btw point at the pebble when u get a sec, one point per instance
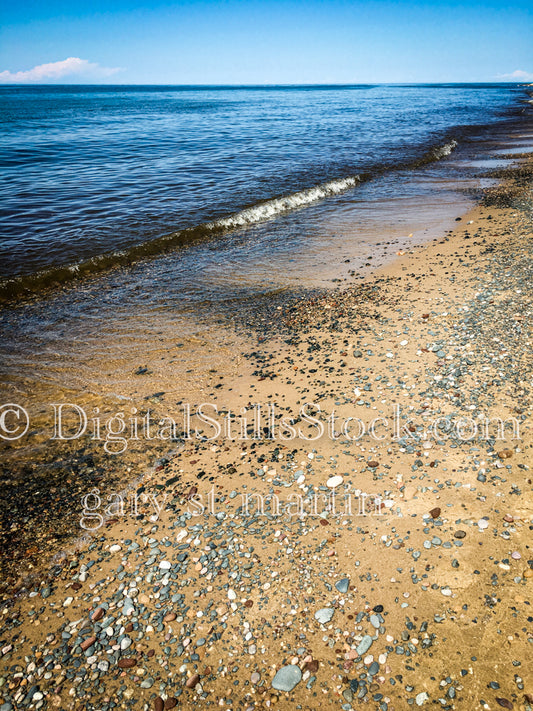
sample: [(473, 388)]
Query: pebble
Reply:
[(343, 585), (364, 645), (334, 481), (87, 643), (287, 678), (421, 698), (375, 621), (97, 614), (127, 663), (373, 669), (192, 681), (324, 615)]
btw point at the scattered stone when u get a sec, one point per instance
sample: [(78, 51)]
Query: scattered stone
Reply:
[(287, 678), (192, 681), (343, 585), (364, 645), (97, 614), (421, 698), (127, 663), (324, 615)]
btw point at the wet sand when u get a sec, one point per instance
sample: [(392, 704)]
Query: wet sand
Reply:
[(420, 594)]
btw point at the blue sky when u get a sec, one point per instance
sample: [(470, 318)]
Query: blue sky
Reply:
[(265, 42)]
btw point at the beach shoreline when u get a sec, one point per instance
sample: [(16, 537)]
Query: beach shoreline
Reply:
[(420, 593), (119, 369)]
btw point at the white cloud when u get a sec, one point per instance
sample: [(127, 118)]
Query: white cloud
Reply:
[(73, 66), (518, 74)]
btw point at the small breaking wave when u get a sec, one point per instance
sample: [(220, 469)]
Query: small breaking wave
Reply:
[(445, 150), (260, 212), (271, 208), (31, 284)]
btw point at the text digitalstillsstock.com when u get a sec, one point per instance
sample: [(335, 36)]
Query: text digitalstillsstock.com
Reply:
[(204, 422)]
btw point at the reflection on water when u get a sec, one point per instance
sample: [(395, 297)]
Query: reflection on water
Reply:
[(88, 338)]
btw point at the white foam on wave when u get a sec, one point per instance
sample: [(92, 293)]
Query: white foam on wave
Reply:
[(269, 209), (445, 150)]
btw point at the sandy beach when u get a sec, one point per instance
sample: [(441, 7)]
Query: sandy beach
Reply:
[(376, 553)]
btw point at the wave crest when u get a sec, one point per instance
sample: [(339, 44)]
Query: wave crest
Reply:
[(445, 150), (270, 208)]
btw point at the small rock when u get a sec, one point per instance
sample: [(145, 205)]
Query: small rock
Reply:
[(343, 585), (421, 698), (287, 678), (127, 663), (364, 645), (97, 614), (505, 454), (312, 666), (87, 643), (324, 615), (192, 681)]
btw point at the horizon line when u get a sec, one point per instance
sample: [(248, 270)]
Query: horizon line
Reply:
[(269, 84)]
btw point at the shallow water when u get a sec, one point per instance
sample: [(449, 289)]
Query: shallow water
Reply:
[(89, 171), (89, 336)]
